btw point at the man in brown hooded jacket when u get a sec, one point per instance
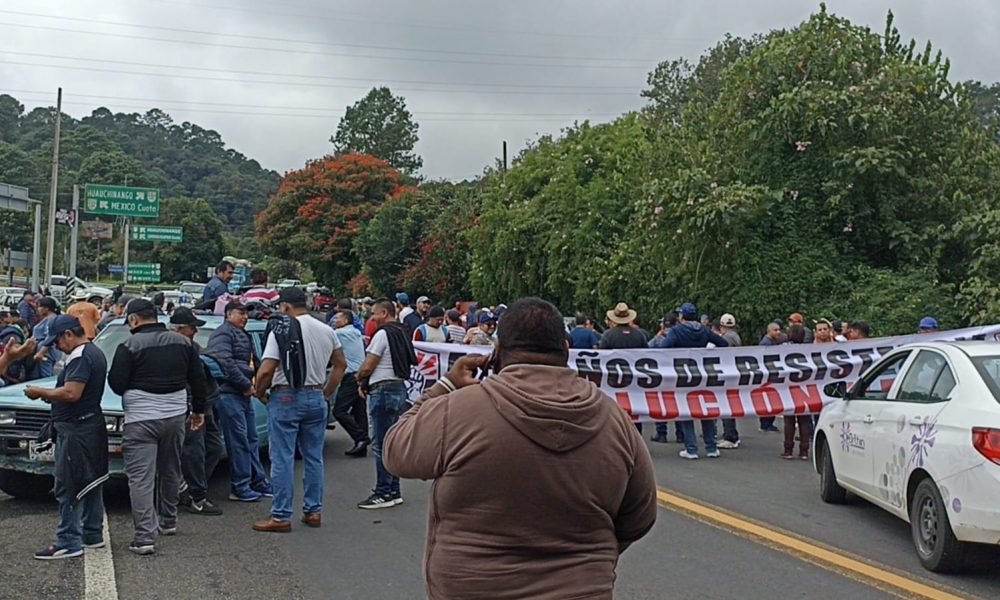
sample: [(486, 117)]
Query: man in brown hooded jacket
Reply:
[(541, 480)]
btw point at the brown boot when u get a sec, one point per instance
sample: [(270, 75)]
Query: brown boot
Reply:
[(272, 525), (312, 519)]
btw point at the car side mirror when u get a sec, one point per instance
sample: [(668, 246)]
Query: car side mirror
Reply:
[(837, 389)]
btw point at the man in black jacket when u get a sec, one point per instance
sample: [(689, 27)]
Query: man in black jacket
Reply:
[(203, 446), (247, 478), (82, 451), (152, 370)]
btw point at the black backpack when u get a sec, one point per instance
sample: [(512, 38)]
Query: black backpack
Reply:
[(288, 334)]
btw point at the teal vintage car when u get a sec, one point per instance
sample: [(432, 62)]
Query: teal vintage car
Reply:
[(26, 472)]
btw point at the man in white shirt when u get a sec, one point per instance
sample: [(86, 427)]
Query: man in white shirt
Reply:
[(383, 378), (294, 383)]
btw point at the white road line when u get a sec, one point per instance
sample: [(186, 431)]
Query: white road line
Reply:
[(99, 570)]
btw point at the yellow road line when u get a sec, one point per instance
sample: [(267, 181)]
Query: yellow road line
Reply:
[(808, 550)]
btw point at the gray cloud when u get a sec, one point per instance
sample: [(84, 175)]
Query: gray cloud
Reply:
[(455, 141)]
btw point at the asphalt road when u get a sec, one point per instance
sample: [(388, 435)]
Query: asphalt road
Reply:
[(377, 554)]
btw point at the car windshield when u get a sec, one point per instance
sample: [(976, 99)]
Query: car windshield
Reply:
[(192, 288), (989, 369), (113, 335)]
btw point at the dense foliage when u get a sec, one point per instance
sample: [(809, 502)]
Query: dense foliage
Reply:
[(379, 124)]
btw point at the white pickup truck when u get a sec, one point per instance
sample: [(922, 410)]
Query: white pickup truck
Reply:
[(95, 293)]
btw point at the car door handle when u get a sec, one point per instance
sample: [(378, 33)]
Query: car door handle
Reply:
[(869, 419), (916, 421)]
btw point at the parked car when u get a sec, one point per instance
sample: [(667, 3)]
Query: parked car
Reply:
[(26, 473), (10, 296), (194, 289), (284, 283), (95, 293), (919, 436), (323, 299)]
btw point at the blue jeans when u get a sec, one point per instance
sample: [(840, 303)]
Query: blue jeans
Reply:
[(238, 427), (296, 418), (708, 431), (385, 404), (84, 523)]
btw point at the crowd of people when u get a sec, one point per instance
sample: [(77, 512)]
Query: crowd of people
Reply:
[(495, 444)]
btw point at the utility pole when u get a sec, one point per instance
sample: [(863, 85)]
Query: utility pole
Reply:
[(53, 187), (36, 249), (503, 174), (76, 229)]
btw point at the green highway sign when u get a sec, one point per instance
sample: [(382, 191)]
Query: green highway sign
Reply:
[(121, 201), (144, 272), (157, 233)]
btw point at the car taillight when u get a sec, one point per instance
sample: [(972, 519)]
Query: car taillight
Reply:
[(987, 442)]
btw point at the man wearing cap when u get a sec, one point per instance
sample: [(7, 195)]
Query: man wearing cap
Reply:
[(152, 371), (414, 319), (230, 341), (403, 308), (27, 308), (689, 333), (482, 334), (47, 356), (928, 325), (85, 312), (623, 334), (203, 446), (294, 383), (730, 433), (81, 454), (117, 310)]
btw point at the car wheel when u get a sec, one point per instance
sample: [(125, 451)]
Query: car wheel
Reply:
[(937, 547), (829, 490), (27, 486)]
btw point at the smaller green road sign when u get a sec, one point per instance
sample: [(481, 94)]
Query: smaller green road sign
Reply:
[(144, 272), (157, 233), (121, 201)]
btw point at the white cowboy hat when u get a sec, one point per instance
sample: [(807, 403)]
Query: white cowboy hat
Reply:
[(622, 314)]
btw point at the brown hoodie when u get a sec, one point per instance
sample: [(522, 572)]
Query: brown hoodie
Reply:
[(541, 481)]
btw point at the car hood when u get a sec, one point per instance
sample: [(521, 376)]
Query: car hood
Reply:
[(101, 291), (12, 396)]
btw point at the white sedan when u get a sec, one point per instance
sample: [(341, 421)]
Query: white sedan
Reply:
[(919, 436)]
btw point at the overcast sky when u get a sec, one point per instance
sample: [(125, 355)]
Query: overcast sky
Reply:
[(274, 77)]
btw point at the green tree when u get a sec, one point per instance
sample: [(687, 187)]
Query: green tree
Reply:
[(380, 125), (203, 242)]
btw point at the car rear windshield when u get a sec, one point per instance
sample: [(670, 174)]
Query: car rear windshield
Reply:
[(989, 368)]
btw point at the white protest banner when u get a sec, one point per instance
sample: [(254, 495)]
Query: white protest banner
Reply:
[(710, 383)]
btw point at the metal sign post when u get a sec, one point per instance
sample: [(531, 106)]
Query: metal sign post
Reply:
[(125, 261)]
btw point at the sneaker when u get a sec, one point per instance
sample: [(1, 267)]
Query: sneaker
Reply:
[(142, 549), (727, 445), (771, 429), (167, 530), (54, 552), (245, 496), (264, 489), (804, 456), (688, 455), (95, 545), (184, 499), (660, 439), (397, 498), (713, 454), (376, 501), (203, 507), (787, 455)]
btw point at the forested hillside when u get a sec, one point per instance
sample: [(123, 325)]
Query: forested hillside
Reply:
[(183, 160)]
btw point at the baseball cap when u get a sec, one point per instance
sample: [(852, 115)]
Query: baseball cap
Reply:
[(727, 320), (500, 311), (59, 326), (139, 305), (486, 316), (290, 295), (423, 299), (928, 323), (687, 309), (796, 318), (402, 298), (185, 316)]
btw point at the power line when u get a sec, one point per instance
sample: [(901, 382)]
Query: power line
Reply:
[(409, 24), (323, 43), (318, 53), (308, 76), (305, 108), (301, 84)]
